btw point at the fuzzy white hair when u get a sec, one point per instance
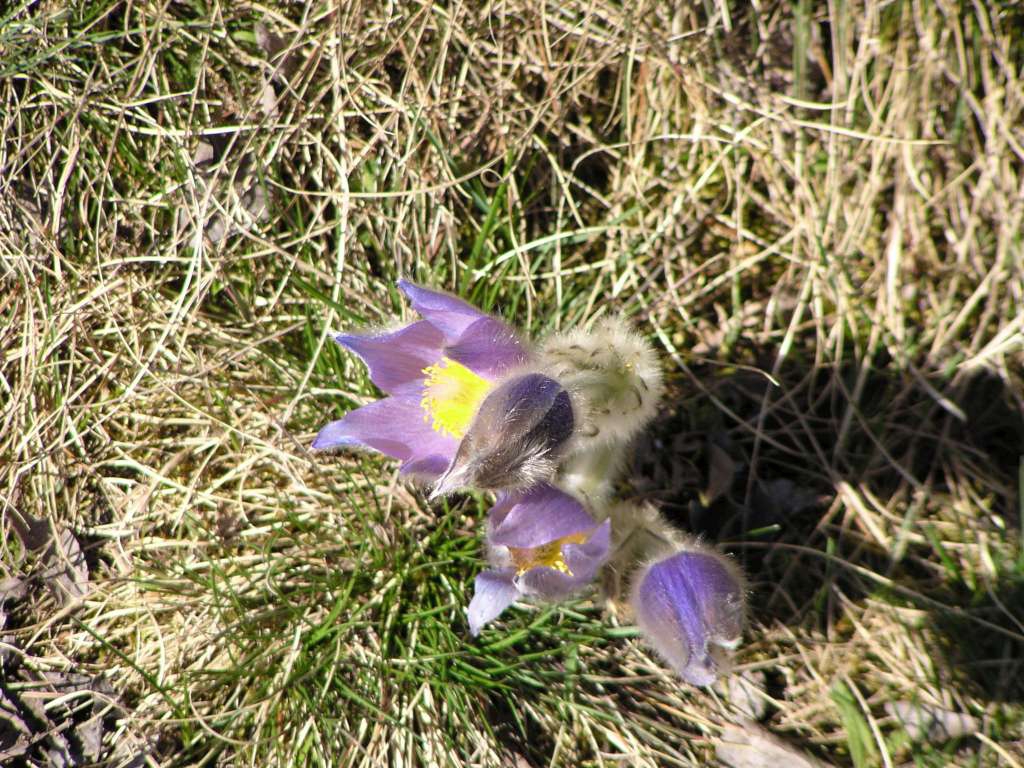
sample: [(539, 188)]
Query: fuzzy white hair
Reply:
[(612, 374)]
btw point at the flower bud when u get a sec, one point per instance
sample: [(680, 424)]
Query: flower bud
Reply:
[(614, 376), (690, 607), (516, 439)]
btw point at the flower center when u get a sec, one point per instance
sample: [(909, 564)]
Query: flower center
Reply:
[(451, 395), (547, 555)]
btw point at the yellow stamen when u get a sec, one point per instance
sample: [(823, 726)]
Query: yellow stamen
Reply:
[(547, 555), (451, 395)]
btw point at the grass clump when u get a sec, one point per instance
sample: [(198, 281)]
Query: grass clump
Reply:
[(815, 213)]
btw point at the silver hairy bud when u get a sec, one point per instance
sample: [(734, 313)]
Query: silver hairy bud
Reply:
[(517, 438)]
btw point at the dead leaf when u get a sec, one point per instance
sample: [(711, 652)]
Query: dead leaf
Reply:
[(34, 532), (280, 55), (267, 100), (8, 650), (746, 692), (204, 153), (721, 471), (235, 206), (748, 745), (63, 565), (238, 201), (65, 571), (67, 682), (44, 738), (779, 500), (254, 205), (16, 749), (14, 731), (50, 732), (90, 736), (12, 588), (924, 722), (271, 42), (58, 754)]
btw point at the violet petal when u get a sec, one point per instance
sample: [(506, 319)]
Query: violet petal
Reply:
[(395, 427), (448, 314), (399, 357), (536, 516), (488, 347), (493, 593), (585, 559), (426, 467)]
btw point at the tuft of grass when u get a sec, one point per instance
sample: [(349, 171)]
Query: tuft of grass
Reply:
[(813, 212)]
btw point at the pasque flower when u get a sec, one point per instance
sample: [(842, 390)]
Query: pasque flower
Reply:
[(464, 407), (543, 545), (471, 405), (690, 607)]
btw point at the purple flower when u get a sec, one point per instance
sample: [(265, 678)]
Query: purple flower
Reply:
[(464, 408), (544, 545), (690, 607), (437, 372)]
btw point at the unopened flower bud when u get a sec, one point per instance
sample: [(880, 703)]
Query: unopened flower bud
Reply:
[(516, 439), (690, 607), (614, 376)]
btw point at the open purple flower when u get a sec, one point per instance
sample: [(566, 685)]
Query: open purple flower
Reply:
[(464, 408), (544, 545), (690, 607), (437, 371)]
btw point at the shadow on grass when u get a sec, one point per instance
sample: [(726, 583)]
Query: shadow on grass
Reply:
[(912, 498)]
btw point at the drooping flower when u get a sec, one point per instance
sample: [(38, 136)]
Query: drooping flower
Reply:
[(543, 544), (690, 607), (463, 405)]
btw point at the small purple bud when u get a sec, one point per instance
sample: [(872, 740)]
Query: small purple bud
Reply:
[(516, 439), (690, 607)]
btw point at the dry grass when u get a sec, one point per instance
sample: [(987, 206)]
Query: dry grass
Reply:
[(816, 214)]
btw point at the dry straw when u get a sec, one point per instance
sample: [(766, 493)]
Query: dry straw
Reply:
[(814, 211)]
